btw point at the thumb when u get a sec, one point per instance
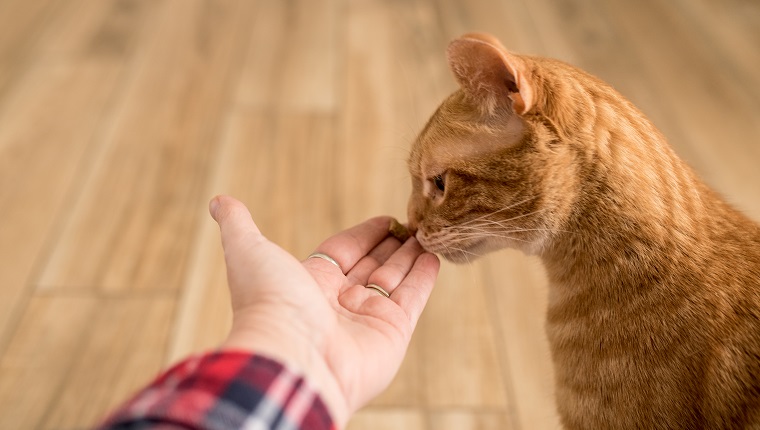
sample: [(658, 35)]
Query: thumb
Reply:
[(234, 219)]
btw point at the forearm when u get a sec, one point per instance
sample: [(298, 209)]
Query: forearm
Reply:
[(293, 346), (225, 390)]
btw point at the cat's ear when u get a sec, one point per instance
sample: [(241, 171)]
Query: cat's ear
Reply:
[(488, 72)]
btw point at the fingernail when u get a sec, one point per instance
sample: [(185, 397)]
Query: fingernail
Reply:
[(213, 206)]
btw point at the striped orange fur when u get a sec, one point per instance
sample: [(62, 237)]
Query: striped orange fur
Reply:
[(654, 307)]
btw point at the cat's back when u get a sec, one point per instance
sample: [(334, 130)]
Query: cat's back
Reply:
[(732, 378)]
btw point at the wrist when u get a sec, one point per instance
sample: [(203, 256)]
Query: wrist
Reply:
[(296, 352)]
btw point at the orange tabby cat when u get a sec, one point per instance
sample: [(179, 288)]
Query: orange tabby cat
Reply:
[(654, 308)]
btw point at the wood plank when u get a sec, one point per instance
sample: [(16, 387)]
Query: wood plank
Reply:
[(204, 315), (733, 90), (743, 14), (119, 119), (594, 44), (460, 364), (509, 20), (7, 74), (385, 103), (387, 418), (471, 420), (368, 122), (248, 146), (517, 297), (729, 31), (20, 25), (21, 22), (421, 78), (96, 30), (42, 350), (293, 56), (129, 228), (123, 351), (407, 388), (705, 102), (44, 139), (260, 155)]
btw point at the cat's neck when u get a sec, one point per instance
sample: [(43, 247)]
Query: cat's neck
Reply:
[(634, 195), (629, 227)]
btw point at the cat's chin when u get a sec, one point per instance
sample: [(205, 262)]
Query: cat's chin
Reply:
[(459, 257), (479, 249)]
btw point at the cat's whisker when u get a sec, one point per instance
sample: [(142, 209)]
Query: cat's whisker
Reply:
[(484, 229), (512, 206), (497, 227), (481, 229), (481, 236), (492, 231), (447, 244), (501, 223), (465, 254), (487, 225), (463, 237)]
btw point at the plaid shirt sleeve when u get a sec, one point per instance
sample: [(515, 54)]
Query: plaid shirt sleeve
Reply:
[(221, 391)]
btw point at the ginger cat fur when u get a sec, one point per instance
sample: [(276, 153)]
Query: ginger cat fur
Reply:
[(654, 306)]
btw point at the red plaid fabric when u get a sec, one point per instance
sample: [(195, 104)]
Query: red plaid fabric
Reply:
[(221, 391)]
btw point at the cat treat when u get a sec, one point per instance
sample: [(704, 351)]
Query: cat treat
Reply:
[(399, 231)]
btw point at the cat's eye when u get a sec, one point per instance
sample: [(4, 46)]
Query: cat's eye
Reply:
[(439, 183)]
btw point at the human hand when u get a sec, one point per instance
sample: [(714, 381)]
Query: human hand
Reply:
[(347, 339)]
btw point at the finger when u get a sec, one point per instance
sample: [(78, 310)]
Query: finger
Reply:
[(361, 271), (353, 297), (394, 270), (235, 224), (349, 246), (415, 289), (234, 219)]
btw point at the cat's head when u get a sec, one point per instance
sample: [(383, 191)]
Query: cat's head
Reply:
[(496, 165)]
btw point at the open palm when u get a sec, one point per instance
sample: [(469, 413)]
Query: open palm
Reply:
[(319, 316)]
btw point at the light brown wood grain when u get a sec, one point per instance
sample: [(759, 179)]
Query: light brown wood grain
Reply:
[(385, 418), (368, 123), (53, 115), (292, 58), (470, 420), (259, 154), (459, 358), (124, 351), (516, 293), (408, 388), (157, 157), (672, 56), (20, 24), (34, 367), (119, 120), (103, 30)]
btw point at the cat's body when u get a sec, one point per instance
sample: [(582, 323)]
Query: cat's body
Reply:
[(654, 307)]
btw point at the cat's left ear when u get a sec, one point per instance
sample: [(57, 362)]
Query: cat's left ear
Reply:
[(488, 72)]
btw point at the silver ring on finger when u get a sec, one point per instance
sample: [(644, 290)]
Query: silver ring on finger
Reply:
[(379, 289), (326, 258)]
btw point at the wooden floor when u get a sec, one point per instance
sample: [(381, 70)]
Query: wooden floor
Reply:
[(120, 119)]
